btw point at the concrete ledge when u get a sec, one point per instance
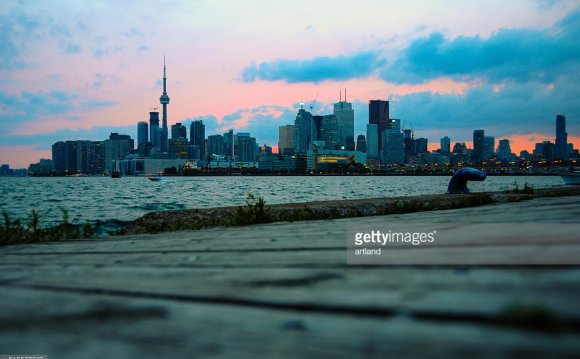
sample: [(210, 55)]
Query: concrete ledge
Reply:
[(254, 213)]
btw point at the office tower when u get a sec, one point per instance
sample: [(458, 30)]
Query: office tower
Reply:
[(393, 148), (409, 144), (460, 148), (303, 131), (229, 147), (317, 123), (180, 147), (215, 145), (246, 148), (164, 100), (178, 131), (488, 147), (142, 133), (345, 120), (478, 138), (197, 136), (329, 132), (154, 129), (445, 145), (561, 138), (60, 161), (379, 115), (116, 148), (91, 157), (286, 140), (361, 143), (504, 152), (421, 145), (372, 141)]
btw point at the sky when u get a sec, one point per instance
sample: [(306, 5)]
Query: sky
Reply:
[(79, 70)]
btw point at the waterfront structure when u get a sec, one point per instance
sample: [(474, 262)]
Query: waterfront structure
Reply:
[(379, 115), (562, 152), (64, 157), (478, 138), (149, 165), (142, 133), (178, 131), (215, 145), (286, 140), (488, 147), (361, 143), (164, 100), (328, 159), (303, 130), (445, 145), (75, 157), (345, 120), (154, 132)]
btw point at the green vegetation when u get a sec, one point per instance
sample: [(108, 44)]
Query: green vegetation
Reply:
[(528, 188), (30, 230), (253, 212)]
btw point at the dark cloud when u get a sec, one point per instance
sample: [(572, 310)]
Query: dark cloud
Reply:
[(318, 69), (509, 54)]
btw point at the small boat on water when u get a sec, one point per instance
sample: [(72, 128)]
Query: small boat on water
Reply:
[(155, 178), (571, 177)]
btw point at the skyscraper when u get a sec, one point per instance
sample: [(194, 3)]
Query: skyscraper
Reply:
[(303, 131), (329, 132), (164, 100), (488, 147), (178, 131), (229, 147), (478, 138), (361, 143), (286, 140), (445, 145), (504, 151), (379, 115), (345, 119), (393, 148), (215, 145), (372, 141), (197, 136), (142, 132), (561, 138), (154, 129)]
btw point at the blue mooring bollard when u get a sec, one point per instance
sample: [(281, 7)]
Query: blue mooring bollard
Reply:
[(458, 183)]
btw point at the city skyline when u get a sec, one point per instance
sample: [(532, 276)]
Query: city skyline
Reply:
[(92, 80)]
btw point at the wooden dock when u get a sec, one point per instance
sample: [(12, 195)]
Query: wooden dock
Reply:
[(285, 290)]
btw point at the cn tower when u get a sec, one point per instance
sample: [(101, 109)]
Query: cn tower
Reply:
[(164, 100)]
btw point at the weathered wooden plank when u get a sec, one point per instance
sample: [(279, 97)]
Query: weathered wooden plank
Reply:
[(92, 326)]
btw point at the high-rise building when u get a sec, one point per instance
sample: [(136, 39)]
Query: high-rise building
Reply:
[(345, 120), (561, 138), (64, 157), (393, 148), (372, 141), (329, 132), (154, 132), (164, 100), (409, 144), (229, 147), (478, 138), (72, 157), (197, 136), (304, 131), (180, 146), (421, 145), (246, 148), (488, 147), (178, 131), (116, 148), (379, 115), (361, 143), (215, 145), (142, 132), (286, 140), (445, 145), (504, 152)]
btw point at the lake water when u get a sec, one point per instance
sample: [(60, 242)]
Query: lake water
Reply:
[(104, 200)]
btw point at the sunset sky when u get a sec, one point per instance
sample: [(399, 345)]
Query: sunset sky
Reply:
[(80, 70)]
